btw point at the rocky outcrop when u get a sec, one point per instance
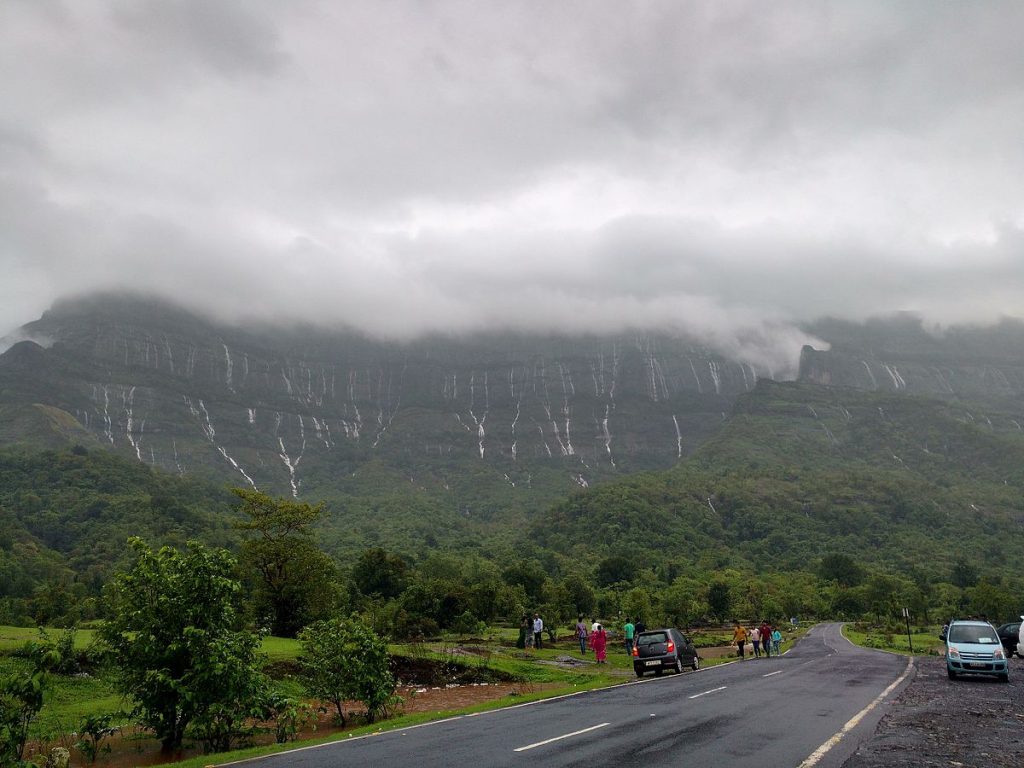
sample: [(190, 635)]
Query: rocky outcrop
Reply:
[(290, 410)]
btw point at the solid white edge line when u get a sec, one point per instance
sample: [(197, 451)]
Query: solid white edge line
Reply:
[(821, 751), (559, 738), (713, 690)]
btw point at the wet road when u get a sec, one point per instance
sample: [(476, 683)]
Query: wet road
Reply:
[(784, 711)]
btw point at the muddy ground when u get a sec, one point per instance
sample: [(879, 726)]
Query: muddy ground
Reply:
[(936, 721)]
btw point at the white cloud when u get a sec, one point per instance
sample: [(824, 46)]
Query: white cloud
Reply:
[(727, 168)]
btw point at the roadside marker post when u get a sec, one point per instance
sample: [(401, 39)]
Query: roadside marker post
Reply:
[(910, 642)]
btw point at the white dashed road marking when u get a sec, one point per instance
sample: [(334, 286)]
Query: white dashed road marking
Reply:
[(559, 738), (713, 690)]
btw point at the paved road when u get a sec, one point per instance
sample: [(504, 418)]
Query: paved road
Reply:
[(776, 712)]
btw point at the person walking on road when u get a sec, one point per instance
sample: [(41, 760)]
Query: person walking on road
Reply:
[(627, 633), (776, 640), (538, 629), (581, 635), (599, 642), (766, 638), (739, 636), (755, 640)]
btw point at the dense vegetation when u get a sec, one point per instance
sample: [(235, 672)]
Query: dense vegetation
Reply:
[(809, 501)]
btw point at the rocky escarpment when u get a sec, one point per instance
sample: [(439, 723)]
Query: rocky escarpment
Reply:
[(298, 411), (900, 355)]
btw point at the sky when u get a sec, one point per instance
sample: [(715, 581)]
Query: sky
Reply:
[(727, 170)]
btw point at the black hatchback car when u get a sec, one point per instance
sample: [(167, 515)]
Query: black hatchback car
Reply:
[(660, 649), (1009, 634)]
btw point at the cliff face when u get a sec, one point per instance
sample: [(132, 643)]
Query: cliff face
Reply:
[(900, 356), (298, 411)]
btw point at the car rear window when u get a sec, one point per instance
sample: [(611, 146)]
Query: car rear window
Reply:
[(965, 633), (651, 639)]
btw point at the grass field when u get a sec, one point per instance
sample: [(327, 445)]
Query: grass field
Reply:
[(925, 640)]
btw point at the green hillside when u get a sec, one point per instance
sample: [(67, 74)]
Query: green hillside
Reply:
[(901, 483)]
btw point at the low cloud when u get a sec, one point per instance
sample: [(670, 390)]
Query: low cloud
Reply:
[(729, 172)]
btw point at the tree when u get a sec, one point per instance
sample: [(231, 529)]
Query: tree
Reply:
[(613, 570), (378, 573), (530, 575), (719, 600), (344, 660), (842, 569), (294, 582), (171, 636)]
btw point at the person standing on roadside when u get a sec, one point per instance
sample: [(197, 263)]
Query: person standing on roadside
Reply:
[(581, 635), (776, 640), (538, 629), (755, 640), (627, 633), (766, 638), (739, 636), (599, 642)]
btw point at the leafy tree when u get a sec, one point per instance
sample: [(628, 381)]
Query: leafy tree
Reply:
[(719, 600), (295, 583), (842, 569), (682, 603), (580, 594), (614, 569), (171, 636), (345, 660), (992, 601), (882, 595), (378, 573), (529, 574)]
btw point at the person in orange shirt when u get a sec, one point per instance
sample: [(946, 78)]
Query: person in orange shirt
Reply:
[(739, 636)]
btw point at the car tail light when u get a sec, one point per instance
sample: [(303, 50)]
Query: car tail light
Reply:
[(670, 647), (636, 650)]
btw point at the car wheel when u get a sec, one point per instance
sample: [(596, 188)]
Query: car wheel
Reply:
[(696, 663), (639, 672), (951, 673), (679, 665)]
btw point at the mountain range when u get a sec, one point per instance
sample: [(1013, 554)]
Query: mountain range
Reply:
[(444, 441)]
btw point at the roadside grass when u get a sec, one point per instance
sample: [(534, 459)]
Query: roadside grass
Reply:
[(394, 724), (925, 639), (71, 698)]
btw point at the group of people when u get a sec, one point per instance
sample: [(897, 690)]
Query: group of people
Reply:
[(763, 638), (597, 637), (531, 632)]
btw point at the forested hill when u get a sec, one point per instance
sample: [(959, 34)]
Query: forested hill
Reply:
[(66, 516), (899, 482)]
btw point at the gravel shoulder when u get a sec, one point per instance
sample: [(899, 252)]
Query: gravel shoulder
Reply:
[(937, 721)]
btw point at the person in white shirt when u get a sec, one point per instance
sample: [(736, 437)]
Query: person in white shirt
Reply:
[(538, 628)]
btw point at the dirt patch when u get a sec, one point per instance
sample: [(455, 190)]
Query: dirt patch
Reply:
[(937, 721)]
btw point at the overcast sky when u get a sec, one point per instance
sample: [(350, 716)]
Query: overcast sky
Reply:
[(726, 168)]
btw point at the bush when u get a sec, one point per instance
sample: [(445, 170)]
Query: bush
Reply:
[(173, 642), (344, 660)]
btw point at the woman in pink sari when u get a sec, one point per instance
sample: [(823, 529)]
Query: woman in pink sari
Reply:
[(599, 642)]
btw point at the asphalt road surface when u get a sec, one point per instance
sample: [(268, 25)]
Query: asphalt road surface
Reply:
[(811, 706)]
